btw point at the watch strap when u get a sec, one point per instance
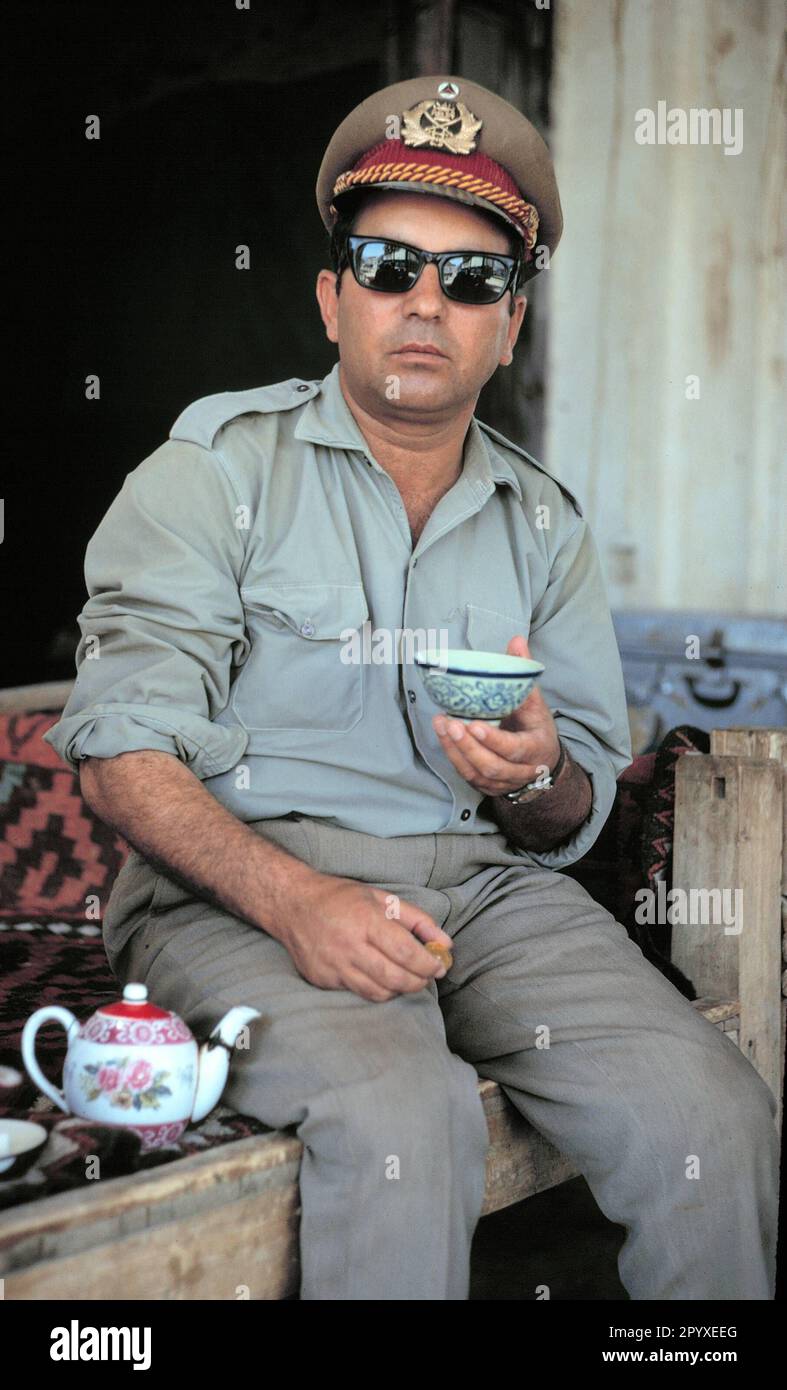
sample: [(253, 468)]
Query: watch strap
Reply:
[(532, 789)]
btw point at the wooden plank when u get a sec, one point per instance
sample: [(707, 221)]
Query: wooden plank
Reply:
[(728, 837), (70, 1222), (758, 743), (520, 1161), (207, 1226), (705, 855), (759, 986), (750, 743), (246, 1249), (765, 743), (725, 1012)]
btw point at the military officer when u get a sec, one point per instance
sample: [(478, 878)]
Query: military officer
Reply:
[(303, 823)]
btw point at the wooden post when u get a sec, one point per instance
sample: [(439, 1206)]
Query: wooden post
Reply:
[(765, 743), (728, 850), (758, 743)]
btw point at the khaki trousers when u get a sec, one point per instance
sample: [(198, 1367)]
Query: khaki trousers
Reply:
[(670, 1124)]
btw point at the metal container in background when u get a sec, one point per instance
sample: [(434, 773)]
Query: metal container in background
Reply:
[(706, 669)]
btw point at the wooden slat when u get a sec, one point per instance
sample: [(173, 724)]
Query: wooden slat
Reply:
[(728, 835), (520, 1161), (765, 743), (210, 1225), (758, 743), (73, 1221), (724, 1012), (705, 855), (245, 1249)]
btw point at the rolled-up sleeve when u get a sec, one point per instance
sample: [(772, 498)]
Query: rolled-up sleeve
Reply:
[(572, 633), (163, 625)]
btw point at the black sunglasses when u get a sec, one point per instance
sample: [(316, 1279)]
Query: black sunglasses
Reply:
[(393, 267)]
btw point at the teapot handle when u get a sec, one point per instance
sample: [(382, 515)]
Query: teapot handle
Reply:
[(29, 1031)]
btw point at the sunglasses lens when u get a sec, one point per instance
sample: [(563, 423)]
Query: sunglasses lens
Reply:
[(385, 265), (472, 277), (475, 279)]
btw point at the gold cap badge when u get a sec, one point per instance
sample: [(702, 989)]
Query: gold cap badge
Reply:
[(440, 124)]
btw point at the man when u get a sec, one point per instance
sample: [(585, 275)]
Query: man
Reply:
[(303, 824)]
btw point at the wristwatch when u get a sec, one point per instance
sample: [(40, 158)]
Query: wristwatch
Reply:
[(531, 790)]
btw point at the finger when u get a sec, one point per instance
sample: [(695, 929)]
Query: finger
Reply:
[(405, 952), (513, 745), (360, 983), (495, 785), (456, 756), (420, 923), (519, 646), (417, 927), (387, 972), (479, 761), (534, 705)]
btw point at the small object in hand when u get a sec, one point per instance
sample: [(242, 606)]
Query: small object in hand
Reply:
[(442, 953)]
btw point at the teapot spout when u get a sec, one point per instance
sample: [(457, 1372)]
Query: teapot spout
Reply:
[(232, 1023), (214, 1059)]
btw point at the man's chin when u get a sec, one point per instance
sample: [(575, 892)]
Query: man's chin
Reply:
[(413, 386), (416, 399)]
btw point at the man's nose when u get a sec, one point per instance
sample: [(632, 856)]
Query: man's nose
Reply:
[(426, 297)]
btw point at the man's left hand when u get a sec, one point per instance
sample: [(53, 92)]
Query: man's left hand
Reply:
[(496, 760)]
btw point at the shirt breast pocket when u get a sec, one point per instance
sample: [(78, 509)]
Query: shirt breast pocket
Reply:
[(299, 675), (490, 631)]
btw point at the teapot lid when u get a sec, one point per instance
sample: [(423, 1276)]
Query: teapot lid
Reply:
[(135, 1004)]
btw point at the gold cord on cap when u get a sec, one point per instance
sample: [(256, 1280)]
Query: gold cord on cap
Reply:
[(524, 213)]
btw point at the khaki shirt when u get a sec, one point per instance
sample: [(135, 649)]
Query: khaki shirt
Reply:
[(224, 579)]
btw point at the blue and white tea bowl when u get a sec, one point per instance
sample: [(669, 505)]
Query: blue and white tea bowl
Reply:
[(477, 685)]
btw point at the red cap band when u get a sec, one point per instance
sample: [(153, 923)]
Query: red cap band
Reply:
[(394, 162)]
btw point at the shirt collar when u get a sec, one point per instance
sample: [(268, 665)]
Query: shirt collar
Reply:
[(327, 419)]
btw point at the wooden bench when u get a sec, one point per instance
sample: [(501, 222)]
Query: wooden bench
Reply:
[(224, 1224)]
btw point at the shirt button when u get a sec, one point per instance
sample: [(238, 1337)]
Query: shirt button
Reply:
[(464, 815), (302, 387), (307, 628), (411, 696)]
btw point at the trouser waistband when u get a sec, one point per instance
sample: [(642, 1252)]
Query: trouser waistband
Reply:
[(437, 860)]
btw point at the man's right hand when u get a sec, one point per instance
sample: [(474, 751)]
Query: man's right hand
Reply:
[(344, 934)]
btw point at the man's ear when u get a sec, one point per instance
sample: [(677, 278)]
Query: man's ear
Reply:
[(328, 300), (516, 299), (516, 311)]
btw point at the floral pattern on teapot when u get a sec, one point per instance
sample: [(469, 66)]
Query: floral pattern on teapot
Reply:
[(127, 1082)]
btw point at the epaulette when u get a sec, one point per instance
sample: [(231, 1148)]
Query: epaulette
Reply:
[(201, 421), (507, 443)]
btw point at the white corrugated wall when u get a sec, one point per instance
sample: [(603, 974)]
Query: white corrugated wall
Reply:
[(671, 267)]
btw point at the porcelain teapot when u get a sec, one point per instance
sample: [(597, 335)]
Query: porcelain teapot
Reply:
[(136, 1065)]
